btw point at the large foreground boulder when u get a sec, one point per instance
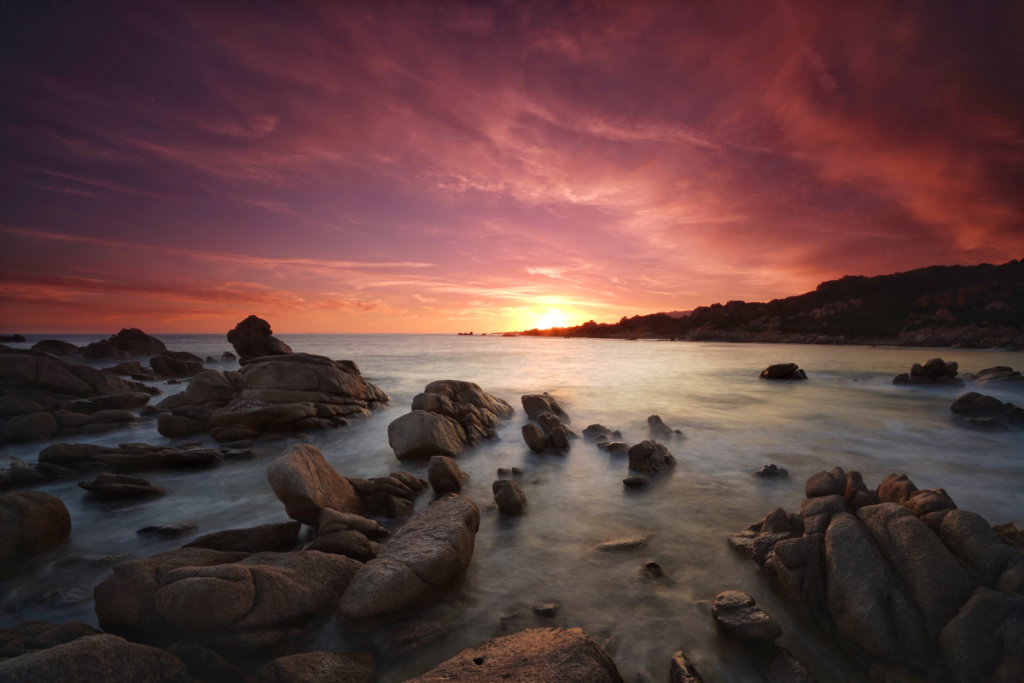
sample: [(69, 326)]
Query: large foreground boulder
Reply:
[(31, 523), (95, 659), (318, 667), (253, 337), (533, 656), (420, 435), (423, 562), (306, 483), (986, 638)]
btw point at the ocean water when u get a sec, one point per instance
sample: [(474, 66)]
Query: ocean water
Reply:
[(847, 414)]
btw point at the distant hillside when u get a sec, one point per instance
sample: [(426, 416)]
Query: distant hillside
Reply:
[(970, 306)]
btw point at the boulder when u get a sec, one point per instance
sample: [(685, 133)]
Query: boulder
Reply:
[(33, 427), (97, 658), (332, 521), (985, 641), (618, 448), (44, 379), (132, 367), (253, 337), (636, 481), (896, 489), (772, 471), (558, 438), (785, 371), (778, 665), (318, 667), (929, 500), (31, 523), (938, 584), (534, 437), (204, 664), (532, 656), (32, 636), (227, 356), (935, 371), (137, 343), (57, 347), (650, 456), (509, 497), (130, 456), (871, 610), (970, 538), (597, 432), (391, 496), (796, 565), (445, 476), (660, 429), (681, 670), (535, 404), (424, 561), (104, 350), (257, 539), (303, 480), (120, 487), (349, 543), (831, 483), (759, 538), (476, 411), (169, 366), (738, 614), (817, 513), (973, 404), (420, 435)]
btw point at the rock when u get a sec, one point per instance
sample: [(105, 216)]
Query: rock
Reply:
[(291, 586), (31, 523), (970, 538), (422, 562), (34, 427), (1010, 535), (659, 428), (445, 476), (932, 577), (206, 665), (227, 356), (120, 487), (929, 500), (935, 371), (510, 498), (870, 608), (137, 343), (796, 565), (649, 456), (477, 412), (168, 530), (636, 481), (419, 435), (57, 347), (516, 472), (318, 667), (531, 656), (548, 609), (831, 483), (535, 404), (558, 438), (263, 538), (44, 379), (349, 543), (534, 438), (391, 496), (973, 404), (778, 665), (303, 480), (104, 350), (681, 670), (104, 658), (332, 521), (896, 489), (619, 544), (739, 615), (772, 471), (253, 338), (597, 432), (32, 636), (168, 366), (132, 367), (783, 371), (132, 456), (817, 513), (9, 338), (759, 538), (618, 448), (210, 359), (984, 641)]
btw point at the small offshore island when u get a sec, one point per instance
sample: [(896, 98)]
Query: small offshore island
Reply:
[(910, 586)]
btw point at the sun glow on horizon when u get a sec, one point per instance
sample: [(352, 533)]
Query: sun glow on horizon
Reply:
[(552, 318)]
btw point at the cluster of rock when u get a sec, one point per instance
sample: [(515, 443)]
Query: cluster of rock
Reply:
[(988, 411), (550, 424), (996, 375), (279, 393), (783, 371), (11, 338), (935, 371), (902, 577), (44, 396), (446, 419)]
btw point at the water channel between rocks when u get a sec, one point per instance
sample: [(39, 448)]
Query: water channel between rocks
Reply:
[(848, 414)]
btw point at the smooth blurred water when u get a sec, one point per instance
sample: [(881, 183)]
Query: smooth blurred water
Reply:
[(847, 414)]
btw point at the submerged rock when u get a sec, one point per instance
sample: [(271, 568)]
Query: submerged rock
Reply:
[(636, 481), (531, 656), (31, 523), (421, 563), (510, 498), (650, 456), (784, 371), (120, 487), (772, 471)]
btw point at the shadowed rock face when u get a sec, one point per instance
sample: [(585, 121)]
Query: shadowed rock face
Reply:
[(305, 482), (96, 658), (537, 655), (31, 523), (316, 667), (423, 562), (253, 337)]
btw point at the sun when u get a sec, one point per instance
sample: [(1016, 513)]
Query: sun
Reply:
[(552, 318)]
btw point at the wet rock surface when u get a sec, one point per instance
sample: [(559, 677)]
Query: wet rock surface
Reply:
[(109, 486), (445, 476), (783, 371), (318, 667), (650, 456), (935, 372), (96, 658), (509, 497), (253, 338), (738, 614), (31, 523)]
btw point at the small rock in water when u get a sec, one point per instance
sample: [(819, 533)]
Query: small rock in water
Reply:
[(618, 448), (534, 437), (516, 472), (548, 609), (682, 670), (636, 481), (120, 486), (784, 371), (660, 429), (652, 570), (510, 498), (616, 434), (167, 530), (772, 471), (633, 543), (66, 596), (504, 471), (173, 381), (738, 614)]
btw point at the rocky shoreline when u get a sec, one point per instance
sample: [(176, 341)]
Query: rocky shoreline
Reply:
[(912, 587)]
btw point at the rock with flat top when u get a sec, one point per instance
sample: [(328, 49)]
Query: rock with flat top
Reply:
[(420, 435), (92, 659), (111, 486), (784, 371), (257, 539), (650, 456), (318, 667), (738, 614)]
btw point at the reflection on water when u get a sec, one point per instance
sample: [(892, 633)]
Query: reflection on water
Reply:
[(848, 414)]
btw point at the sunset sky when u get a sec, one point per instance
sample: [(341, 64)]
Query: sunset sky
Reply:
[(442, 167)]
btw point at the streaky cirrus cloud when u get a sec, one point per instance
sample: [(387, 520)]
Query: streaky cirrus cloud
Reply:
[(492, 166)]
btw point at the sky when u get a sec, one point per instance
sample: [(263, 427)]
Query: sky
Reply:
[(443, 167)]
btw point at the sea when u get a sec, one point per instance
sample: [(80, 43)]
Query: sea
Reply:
[(848, 413)]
